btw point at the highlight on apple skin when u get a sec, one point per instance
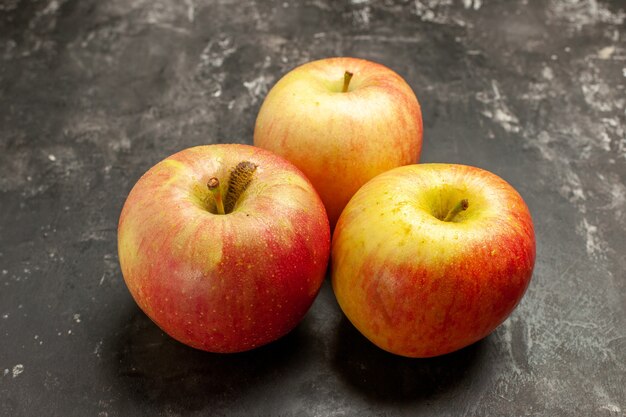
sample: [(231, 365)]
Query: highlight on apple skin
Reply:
[(427, 259), (342, 121), (224, 282)]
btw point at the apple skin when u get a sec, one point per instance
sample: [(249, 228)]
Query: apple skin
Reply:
[(341, 140), (223, 283), (419, 286)]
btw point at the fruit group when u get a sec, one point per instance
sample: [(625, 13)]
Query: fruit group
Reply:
[(420, 276), (341, 139), (224, 282)]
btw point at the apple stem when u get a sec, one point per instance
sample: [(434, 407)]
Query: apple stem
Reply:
[(461, 206), (347, 76), (214, 187)]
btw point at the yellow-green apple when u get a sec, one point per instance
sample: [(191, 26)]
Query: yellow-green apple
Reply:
[(342, 121), (224, 246), (427, 259)]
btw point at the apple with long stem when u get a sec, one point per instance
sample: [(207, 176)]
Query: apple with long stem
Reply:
[(342, 118), (224, 246), (427, 259)]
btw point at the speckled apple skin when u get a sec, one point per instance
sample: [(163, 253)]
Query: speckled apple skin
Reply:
[(341, 140), (418, 286), (223, 283)]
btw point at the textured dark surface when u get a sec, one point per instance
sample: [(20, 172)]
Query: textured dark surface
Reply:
[(93, 93)]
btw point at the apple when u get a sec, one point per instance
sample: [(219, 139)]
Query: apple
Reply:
[(224, 282), (427, 259), (342, 121)]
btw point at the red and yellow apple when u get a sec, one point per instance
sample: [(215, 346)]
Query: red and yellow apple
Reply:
[(342, 121), (427, 259), (224, 282)]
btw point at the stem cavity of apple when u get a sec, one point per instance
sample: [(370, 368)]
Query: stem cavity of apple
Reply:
[(461, 206), (239, 180), (347, 76)]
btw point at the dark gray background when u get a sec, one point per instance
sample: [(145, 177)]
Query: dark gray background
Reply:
[(93, 93)]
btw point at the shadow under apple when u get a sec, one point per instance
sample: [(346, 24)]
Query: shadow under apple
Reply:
[(154, 369), (384, 377)]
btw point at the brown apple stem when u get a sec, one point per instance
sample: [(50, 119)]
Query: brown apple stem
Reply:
[(347, 76), (214, 187), (461, 206)]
